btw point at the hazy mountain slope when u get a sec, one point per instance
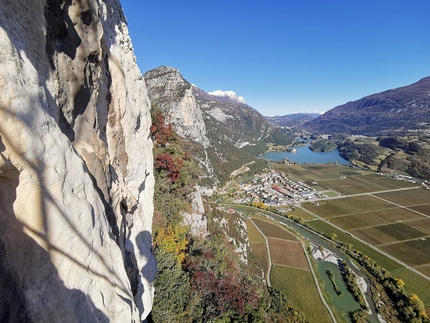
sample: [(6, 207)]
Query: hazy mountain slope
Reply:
[(234, 114), (401, 109), (292, 120)]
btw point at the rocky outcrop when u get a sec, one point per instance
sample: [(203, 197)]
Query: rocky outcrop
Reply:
[(76, 180), (173, 94), (196, 220)]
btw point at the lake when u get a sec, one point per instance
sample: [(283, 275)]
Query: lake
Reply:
[(304, 155)]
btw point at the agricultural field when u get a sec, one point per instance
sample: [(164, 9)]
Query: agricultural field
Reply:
[(413, 252), (259, 250), (423, 208), (384, 218), (410, 197), (414, 283), (359, 184), (347, 205), (373, 236), (421, 225), (316, 172), (258, 246), (400, 231), (375, 218), (425, 269), (254, 234), (395, 222), (301, 292), (324, 209), (290, 272), (300, 213), (273, 230), (287, 253)]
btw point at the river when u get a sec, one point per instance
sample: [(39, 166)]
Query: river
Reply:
[(304, 155)]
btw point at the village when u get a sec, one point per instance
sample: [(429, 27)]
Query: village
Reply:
[(274, 189)]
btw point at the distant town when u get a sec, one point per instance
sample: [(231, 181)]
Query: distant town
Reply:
[(275, 189)]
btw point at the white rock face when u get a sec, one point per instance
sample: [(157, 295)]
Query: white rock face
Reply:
[(197, 220), (171, 92), (76, 179), (218, 114)]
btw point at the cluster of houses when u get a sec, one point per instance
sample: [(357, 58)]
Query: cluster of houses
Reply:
[(274, 189)]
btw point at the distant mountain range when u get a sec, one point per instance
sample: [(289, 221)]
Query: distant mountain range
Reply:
[(394, 111), (292, 120)]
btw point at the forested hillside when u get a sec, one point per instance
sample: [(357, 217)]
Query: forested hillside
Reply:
[(206, 277)]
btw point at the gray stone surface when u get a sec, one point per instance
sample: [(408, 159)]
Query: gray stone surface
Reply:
[(76, 179)]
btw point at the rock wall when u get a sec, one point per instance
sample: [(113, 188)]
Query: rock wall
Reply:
[(170, 92), (76, 180)]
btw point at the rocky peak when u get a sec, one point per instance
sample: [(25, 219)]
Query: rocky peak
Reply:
[(169, 91)]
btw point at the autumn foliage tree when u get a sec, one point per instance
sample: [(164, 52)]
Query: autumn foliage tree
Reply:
[(174, 170), (172, 239), (170, 166), (161, 132)]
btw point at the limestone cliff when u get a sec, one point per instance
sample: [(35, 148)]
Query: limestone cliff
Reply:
[(76, 179), (225, 132), (173, 94)]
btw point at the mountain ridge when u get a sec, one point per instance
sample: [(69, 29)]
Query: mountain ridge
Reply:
[(402, 109), (292, 119)]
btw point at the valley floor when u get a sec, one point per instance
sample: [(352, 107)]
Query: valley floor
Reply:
[(387, 219)]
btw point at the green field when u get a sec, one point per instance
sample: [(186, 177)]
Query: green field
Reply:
[(299, 287), (414, 283), (331, 194), (300, 213)]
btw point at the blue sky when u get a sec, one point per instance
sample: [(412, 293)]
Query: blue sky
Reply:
[(285, 56)]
